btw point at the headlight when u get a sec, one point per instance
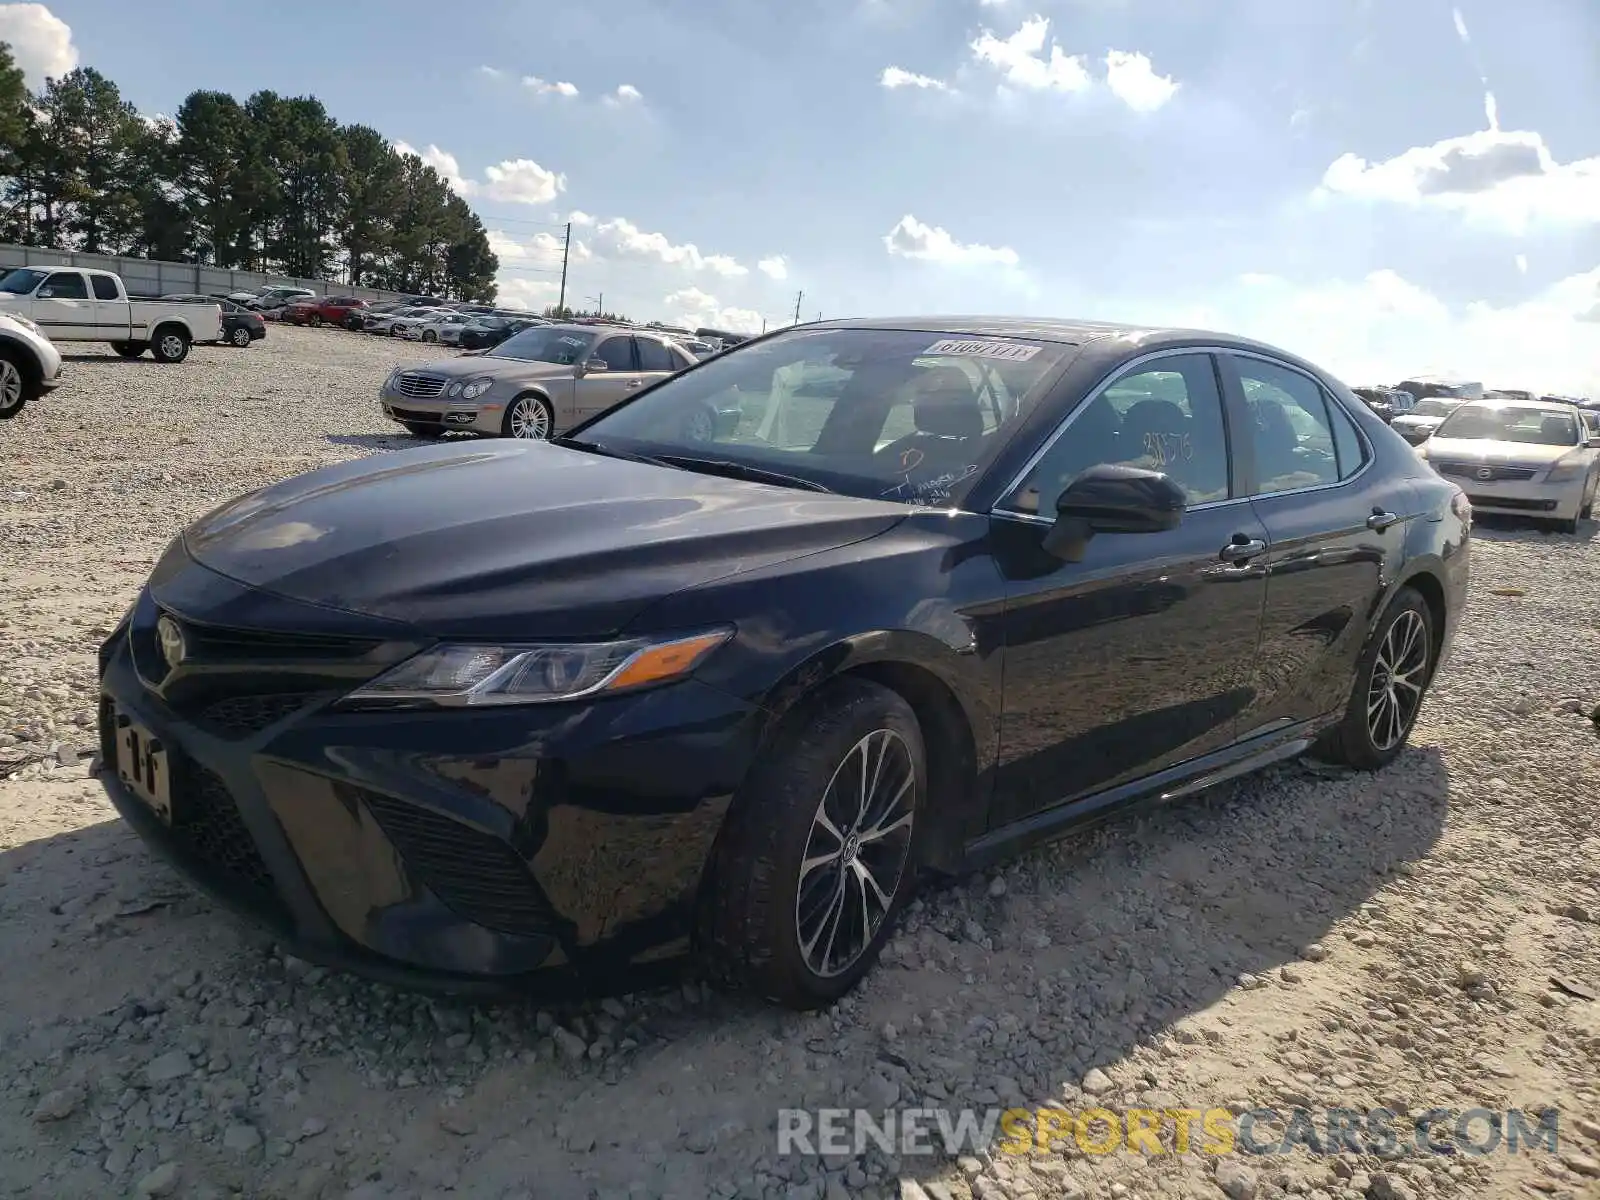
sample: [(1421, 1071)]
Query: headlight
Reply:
[(26, 323), (1566, 471), (472, 675), (476, 387), (455, 389)]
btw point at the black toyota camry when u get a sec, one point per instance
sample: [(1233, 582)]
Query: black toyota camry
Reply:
[(729, 667)]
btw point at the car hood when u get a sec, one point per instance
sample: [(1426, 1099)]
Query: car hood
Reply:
[(1473, 450), (1413, 419), (514, 539), (500, 368)]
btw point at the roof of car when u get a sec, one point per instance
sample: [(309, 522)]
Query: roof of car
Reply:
[(1551, 406)]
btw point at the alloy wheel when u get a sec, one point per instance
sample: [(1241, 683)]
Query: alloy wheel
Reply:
[(530, 419), (241, 337), (1398, 677), (172, 346), (10, 386), (859, 845)]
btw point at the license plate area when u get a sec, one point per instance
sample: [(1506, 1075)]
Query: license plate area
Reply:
[(143, 765)]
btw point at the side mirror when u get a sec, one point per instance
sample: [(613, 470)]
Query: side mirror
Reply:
[(1594, 442), (44, 293), (1113, 499), (596, 364)]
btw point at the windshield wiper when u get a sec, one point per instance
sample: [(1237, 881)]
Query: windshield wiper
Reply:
[(736, 470), (608, 451)]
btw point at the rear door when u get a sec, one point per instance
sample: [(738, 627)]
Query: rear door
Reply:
[(63, 308), (598, 390), (656, 360), (1336, 531)]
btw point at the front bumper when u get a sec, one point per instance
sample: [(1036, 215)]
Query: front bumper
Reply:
[(483, 415), (539, 850), (1523, 498)]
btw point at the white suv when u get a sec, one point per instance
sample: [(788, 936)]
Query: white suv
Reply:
[(30, 365)]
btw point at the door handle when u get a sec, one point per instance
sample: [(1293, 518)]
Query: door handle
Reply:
[(1381, 520), (1242, 549), (633, 383)]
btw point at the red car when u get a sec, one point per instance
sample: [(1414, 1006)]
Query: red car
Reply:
[(324, 310)]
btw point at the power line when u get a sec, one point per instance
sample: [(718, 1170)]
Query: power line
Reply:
[(490, 218)]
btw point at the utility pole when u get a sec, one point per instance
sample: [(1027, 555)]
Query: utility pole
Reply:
[(797, 300), (566, 246), (763, 324)]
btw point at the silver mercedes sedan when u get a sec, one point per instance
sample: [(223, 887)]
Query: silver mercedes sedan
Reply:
[(535, 384)]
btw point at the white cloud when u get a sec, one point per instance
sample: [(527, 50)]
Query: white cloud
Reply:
[(40, 41), (443, 162), (696, 309), (622, 237), (776, 267), (1522, 264), (578, 217), (1022, 63), (1134, 81), (625, 94), (541, 87), (540, 250), (910, 238), (897, 77), (530, 294), (522, 181), (1461, 26), (1492, 176), (491, 72), (1384, 328)]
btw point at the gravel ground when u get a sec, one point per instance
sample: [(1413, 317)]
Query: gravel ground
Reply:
[(1304, 937)]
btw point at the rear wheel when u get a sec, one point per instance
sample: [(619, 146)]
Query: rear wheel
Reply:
[(171, 345), (1392, 677), (818, 853), (15, 390)]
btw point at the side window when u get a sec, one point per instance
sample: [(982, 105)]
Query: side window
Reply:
[(1348, 449), (105, 288), (67, 285), (654, 355), (1163, 417), (1294, 441), (616, 353)]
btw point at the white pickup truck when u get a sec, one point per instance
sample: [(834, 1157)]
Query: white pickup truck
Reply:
[(75, 304)]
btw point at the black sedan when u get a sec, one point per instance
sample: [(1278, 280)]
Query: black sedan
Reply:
[(490, 331), (240, 326), (525, 715)]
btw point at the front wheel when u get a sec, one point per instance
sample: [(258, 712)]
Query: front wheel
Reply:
[(429, 335), (817, 856), (528, 417), (171, 346), (316, 321), (14, 387), (1392, 677)]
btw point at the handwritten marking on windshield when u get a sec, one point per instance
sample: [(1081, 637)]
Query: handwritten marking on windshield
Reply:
[(978, 348)]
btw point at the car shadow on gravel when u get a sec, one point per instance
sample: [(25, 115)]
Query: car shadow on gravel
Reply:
[(393, 441), (1101, 952), (1492, 527)]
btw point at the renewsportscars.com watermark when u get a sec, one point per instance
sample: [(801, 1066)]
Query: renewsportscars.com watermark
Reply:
[(1217, 1131)]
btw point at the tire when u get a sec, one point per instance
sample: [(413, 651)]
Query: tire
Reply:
[(315, 320), (171, 345), (429, 335), (1353, 742), (423, 431), (758, 928), (1569, 525), (16, 385), (130, 349), (529, 417), (240, 337)]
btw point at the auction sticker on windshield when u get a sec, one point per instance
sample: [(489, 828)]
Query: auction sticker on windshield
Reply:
[(572, 341), (1012, 351)]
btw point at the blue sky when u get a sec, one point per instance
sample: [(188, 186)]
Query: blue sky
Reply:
[(1389, 188)]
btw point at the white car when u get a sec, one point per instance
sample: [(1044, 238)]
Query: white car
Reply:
[(1417, 426), (431, 329), (384, 323), (1536, 459), (77, 304), (30, 365), (415, 320)]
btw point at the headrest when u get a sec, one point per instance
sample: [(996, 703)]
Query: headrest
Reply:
[(945, 404), (1556, 425)]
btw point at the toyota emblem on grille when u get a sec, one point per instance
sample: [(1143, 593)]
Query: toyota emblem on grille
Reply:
[(1485, 473), (170, 634)]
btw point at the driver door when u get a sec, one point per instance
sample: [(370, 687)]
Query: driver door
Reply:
[(63, 309), (616, 378), (1139, 656)]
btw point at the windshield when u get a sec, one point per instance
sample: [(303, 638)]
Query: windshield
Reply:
[(1511, 423), (543, 344), (876, 413), (21, 281), (1433, 408)]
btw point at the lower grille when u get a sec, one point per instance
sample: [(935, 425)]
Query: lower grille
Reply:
[(1511, 502), (474, 874), (416, 416), (209, 824), (241, 716)]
